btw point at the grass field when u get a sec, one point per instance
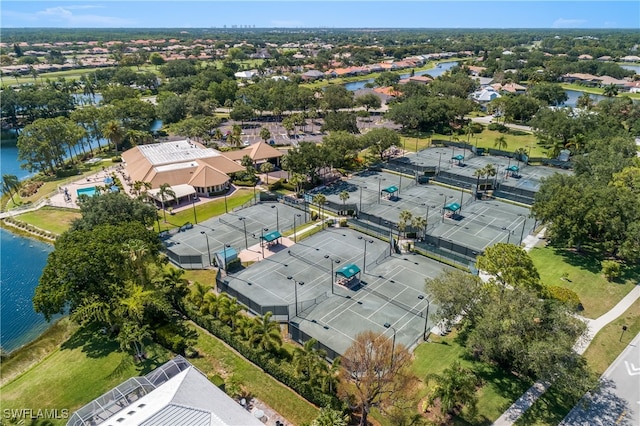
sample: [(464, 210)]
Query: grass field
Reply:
[(583, 276), (82, 369), (53, 219), (498, 391), (69, 375), (610, 341), (217, 358), (204, 211), (486, 140)]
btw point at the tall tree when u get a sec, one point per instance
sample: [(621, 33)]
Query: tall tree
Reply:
[(455, 388), (265, 333), (113, 131), (10, 185), (165, 192), (510, 265), (374, 373)]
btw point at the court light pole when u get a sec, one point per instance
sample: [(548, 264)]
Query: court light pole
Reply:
[(295, 232), (331, 260), (439, 160), (193, 203), (361, 188), (426, 319), (208, 249), (295, 291), (277, 218), (393, 345), (262, 240), (244, 226), (224, 253), (379, 188), (364, 260)]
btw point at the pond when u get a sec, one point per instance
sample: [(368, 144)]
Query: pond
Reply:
[(433, 72)]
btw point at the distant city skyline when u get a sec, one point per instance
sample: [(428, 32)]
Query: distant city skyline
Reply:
[(327, 14)]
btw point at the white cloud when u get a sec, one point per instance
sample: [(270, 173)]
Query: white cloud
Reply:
[(64, 16), (568, 23)]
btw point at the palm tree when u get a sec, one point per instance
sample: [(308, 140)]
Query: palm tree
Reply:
[(585, 101), (309, 363), (228, 309), (610, 91), (478, 173), (330, 417), (197, 293), (344, 196), (455, 387), (211, 304), (501, 142), (405, 218), (265, 333), (10, 184), (165, 192), (114, 132), (489, 171), (320, 200), (266, 168), (265, 134), (419, 223)]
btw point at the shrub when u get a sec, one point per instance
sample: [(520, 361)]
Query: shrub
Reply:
[(564, 295), (499, 127), (275, 185), (116, 159), (314, 216), (67, 172), (610, 269)]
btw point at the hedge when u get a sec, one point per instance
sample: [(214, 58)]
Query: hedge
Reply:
[(565, 295), (280, 372)]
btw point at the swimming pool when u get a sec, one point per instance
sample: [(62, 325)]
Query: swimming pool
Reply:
[(90, 192)]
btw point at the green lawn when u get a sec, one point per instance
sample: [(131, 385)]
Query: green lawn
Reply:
[(584, 277), (595, 90), (217, 358), (53, 219), (499, 388), (610, 341), (486, 140), (24, 358), (205, 211), (81, 370), (84, 367)]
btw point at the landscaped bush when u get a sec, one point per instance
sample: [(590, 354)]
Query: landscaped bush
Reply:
[(610, 269), (498, 127), (288, 186), (275, 185), (173, 337), (314, 216), (565, 295), (67, 172), (30, 187), (116, 159)]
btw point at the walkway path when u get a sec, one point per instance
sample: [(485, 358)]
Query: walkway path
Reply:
[(523, 403)]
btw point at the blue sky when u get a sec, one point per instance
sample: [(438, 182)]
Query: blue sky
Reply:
[(333, 14)]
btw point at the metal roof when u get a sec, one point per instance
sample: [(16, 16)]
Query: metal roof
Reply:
[(349, 270)]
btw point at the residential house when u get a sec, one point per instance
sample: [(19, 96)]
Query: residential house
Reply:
[(176, 394), (312, 75)]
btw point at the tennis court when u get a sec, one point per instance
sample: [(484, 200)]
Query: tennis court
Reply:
[(213, 234), (483, 224), (390, 288)]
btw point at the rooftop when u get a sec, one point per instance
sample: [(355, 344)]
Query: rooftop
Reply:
[(170, 152)]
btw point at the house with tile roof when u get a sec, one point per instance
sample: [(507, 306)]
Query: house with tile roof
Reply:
[(205, 170), (260, 152)]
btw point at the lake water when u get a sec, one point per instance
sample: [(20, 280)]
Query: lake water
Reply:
[(574, 95), (635, 68), (433, 72), (21, 263)]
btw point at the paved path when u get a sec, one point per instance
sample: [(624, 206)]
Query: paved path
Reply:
[(523, 403), (617, 401)]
